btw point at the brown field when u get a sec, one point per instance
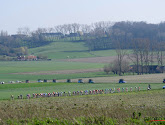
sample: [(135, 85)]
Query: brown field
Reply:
[(85, 60), (107, 59), (61, 72), (148, 78)]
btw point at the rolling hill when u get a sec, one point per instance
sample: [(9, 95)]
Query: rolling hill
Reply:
[(62, 50)]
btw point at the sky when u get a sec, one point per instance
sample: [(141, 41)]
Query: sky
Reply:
[(33, 14)]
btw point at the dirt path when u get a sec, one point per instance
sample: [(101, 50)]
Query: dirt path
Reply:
[(60, 72), (107, 59), (150, 78)]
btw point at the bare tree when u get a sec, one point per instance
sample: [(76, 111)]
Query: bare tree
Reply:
[(121, 53), (107, 69), (160, 55), (114, 67), (69, 28), (50, 30), (152, 53), (75, 27), (3, 33), (58, 29), (125, 66), (140, 56), (86, 28), (24, 31)]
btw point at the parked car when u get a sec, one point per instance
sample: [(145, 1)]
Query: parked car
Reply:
[(122, 81), (80, 81), (2, 82), (163, 80), (163, 87), (91, 81), (39, 80)]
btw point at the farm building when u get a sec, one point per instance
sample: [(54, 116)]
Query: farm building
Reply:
[(27, 58), (73, 35), (58, 34), (31, 58), (19, 36)]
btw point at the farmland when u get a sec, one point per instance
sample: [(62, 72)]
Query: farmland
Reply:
[(116, 108), (73, 61), (7, 90), (60, 50), (11, 71), (62, 68)]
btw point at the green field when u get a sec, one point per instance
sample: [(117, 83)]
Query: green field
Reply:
[(8, 68), (36, 66), (6, 90), (54, 51), (60, 50), (131, 108), (115, 108)]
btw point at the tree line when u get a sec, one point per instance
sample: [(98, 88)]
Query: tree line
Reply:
[(11, 46), (146, 57), (106, 36), (97, 36)]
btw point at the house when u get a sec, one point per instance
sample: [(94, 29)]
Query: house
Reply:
[(19, 36), (52, 36), (73, 35), (58, 34), (27, 58), (31, 58)]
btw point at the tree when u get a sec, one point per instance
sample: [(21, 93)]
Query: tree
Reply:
[(125, 66), (24, 31), (107, 69), (141, 54), (114, 67), (160, 47), (121, 53)]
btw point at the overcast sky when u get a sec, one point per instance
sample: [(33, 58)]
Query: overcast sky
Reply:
[(15, 14)]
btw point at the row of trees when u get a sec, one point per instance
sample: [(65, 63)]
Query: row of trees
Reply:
[(11, 46), (146, 56), (97, 36), (69, 31), (125, 32), (99, 30), (97, 27)]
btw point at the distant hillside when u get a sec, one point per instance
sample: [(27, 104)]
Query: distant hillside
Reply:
[(63, 50), (75, 40)]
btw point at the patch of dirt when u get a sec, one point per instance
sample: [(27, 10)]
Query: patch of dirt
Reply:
[(60, 72), (149, 78), (107, 59)]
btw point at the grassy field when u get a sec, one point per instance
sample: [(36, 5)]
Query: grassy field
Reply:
[(35, 66), (116, 108), (60, 50), (133, 108), (6, 90), (56, 50), (12, 71), (34, 70), (8, 68)]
